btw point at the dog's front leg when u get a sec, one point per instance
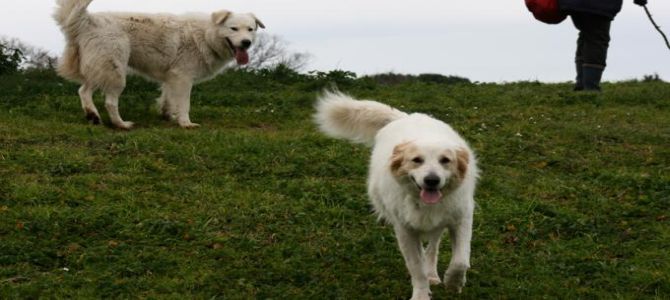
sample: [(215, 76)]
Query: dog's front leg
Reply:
[(412, 250), (460, 235), (432, 250), (179, 95)]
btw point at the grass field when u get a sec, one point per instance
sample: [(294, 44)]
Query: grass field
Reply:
[(574, 199)]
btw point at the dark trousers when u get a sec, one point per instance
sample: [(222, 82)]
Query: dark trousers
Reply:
[(594, 39)]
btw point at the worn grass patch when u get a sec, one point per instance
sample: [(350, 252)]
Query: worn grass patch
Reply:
[(573, 203)]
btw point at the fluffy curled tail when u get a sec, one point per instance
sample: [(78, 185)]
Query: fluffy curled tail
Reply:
[(72, 17), (341, 116)]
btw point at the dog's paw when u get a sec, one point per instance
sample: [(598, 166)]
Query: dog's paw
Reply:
[(125, 125), (434, 279), (454, 278), (189, 125)]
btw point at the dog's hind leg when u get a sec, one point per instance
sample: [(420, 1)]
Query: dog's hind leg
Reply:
[(432, 250), (104, 62), (115, 84), (112, 105), (412, 250), (460, 236), (86, 96)]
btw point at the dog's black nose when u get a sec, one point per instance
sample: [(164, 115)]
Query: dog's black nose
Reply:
[(431, 181), (246, 44)]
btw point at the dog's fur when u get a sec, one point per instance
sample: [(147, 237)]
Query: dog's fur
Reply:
[(176, 51), (422, 181)]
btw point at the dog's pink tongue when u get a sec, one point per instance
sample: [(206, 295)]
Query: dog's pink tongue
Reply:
[(241, 56), (430, 196)]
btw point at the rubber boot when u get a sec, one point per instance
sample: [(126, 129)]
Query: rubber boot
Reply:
[(591, 75), (579, 83)]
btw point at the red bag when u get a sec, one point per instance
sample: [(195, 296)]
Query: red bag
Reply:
[(546, 11)]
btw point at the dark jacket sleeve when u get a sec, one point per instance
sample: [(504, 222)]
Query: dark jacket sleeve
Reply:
[(607, 8)]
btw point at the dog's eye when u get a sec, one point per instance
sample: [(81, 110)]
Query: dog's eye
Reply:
[(234, 28), (417, 160), (445, 160), (251, 29)]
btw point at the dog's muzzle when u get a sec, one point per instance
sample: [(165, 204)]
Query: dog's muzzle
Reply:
[(240, 53)]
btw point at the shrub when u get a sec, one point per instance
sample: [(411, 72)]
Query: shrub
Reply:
[(10, 59), (394, 79), (651, 78)]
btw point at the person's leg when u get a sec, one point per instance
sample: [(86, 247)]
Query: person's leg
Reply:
[(577, 20), (596, 36)]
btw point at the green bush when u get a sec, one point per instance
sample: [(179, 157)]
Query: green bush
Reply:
[(10, 59), (395, 79)]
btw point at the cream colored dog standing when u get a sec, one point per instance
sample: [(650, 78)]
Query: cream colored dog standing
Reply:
[(176, 51), (422, 181)]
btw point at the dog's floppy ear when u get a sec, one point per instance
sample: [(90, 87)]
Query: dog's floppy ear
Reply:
[(398, 157), (258, 21), (221, 16), (463, 160)]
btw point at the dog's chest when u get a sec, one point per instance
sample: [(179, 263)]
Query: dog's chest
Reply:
[(420, 217)]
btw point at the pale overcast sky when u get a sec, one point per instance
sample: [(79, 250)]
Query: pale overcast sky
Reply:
[(485, 40)]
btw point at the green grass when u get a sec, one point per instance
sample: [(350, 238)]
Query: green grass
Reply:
[(574, 199)]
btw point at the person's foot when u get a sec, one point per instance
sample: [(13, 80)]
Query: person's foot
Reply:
[(592, 75)]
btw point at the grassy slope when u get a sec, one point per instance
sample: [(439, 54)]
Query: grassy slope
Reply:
[(573, 201)]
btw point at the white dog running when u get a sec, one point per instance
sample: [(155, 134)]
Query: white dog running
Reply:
[(422, 181), (176, 51)]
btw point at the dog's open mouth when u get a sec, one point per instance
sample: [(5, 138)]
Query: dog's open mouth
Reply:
[(241, 55), (428, 196)]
